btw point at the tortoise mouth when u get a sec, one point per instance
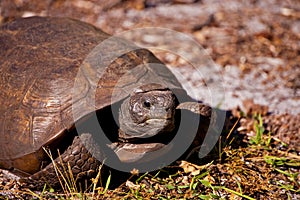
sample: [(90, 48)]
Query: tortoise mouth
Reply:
[(128, 152), (163, 137), (134, 149), (153, 131)]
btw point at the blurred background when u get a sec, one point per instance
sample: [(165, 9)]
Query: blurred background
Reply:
[(255, 43)]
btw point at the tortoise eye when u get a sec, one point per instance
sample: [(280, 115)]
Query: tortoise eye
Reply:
[(147, 103)]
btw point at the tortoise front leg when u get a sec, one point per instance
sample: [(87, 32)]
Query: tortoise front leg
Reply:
[(82, 164)]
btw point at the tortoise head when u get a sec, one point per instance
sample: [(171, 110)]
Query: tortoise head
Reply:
[(147, 121), (149, 111)]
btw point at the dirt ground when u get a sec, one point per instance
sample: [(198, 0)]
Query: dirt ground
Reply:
[(255, 46)]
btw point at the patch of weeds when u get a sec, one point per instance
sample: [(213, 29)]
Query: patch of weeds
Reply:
[(196, 182), (260, 138), (275, 161), (286, 167), (280, 168), (208, 183)]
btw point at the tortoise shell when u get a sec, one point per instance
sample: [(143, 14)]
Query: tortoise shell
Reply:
[(41, 61)]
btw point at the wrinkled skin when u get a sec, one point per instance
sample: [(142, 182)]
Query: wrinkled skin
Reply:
[(149, 111)]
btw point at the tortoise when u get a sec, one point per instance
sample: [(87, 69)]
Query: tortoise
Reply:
[(41, 63)]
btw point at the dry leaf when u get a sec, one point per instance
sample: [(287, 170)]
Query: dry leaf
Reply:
[(131, 185), (192, 168)]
